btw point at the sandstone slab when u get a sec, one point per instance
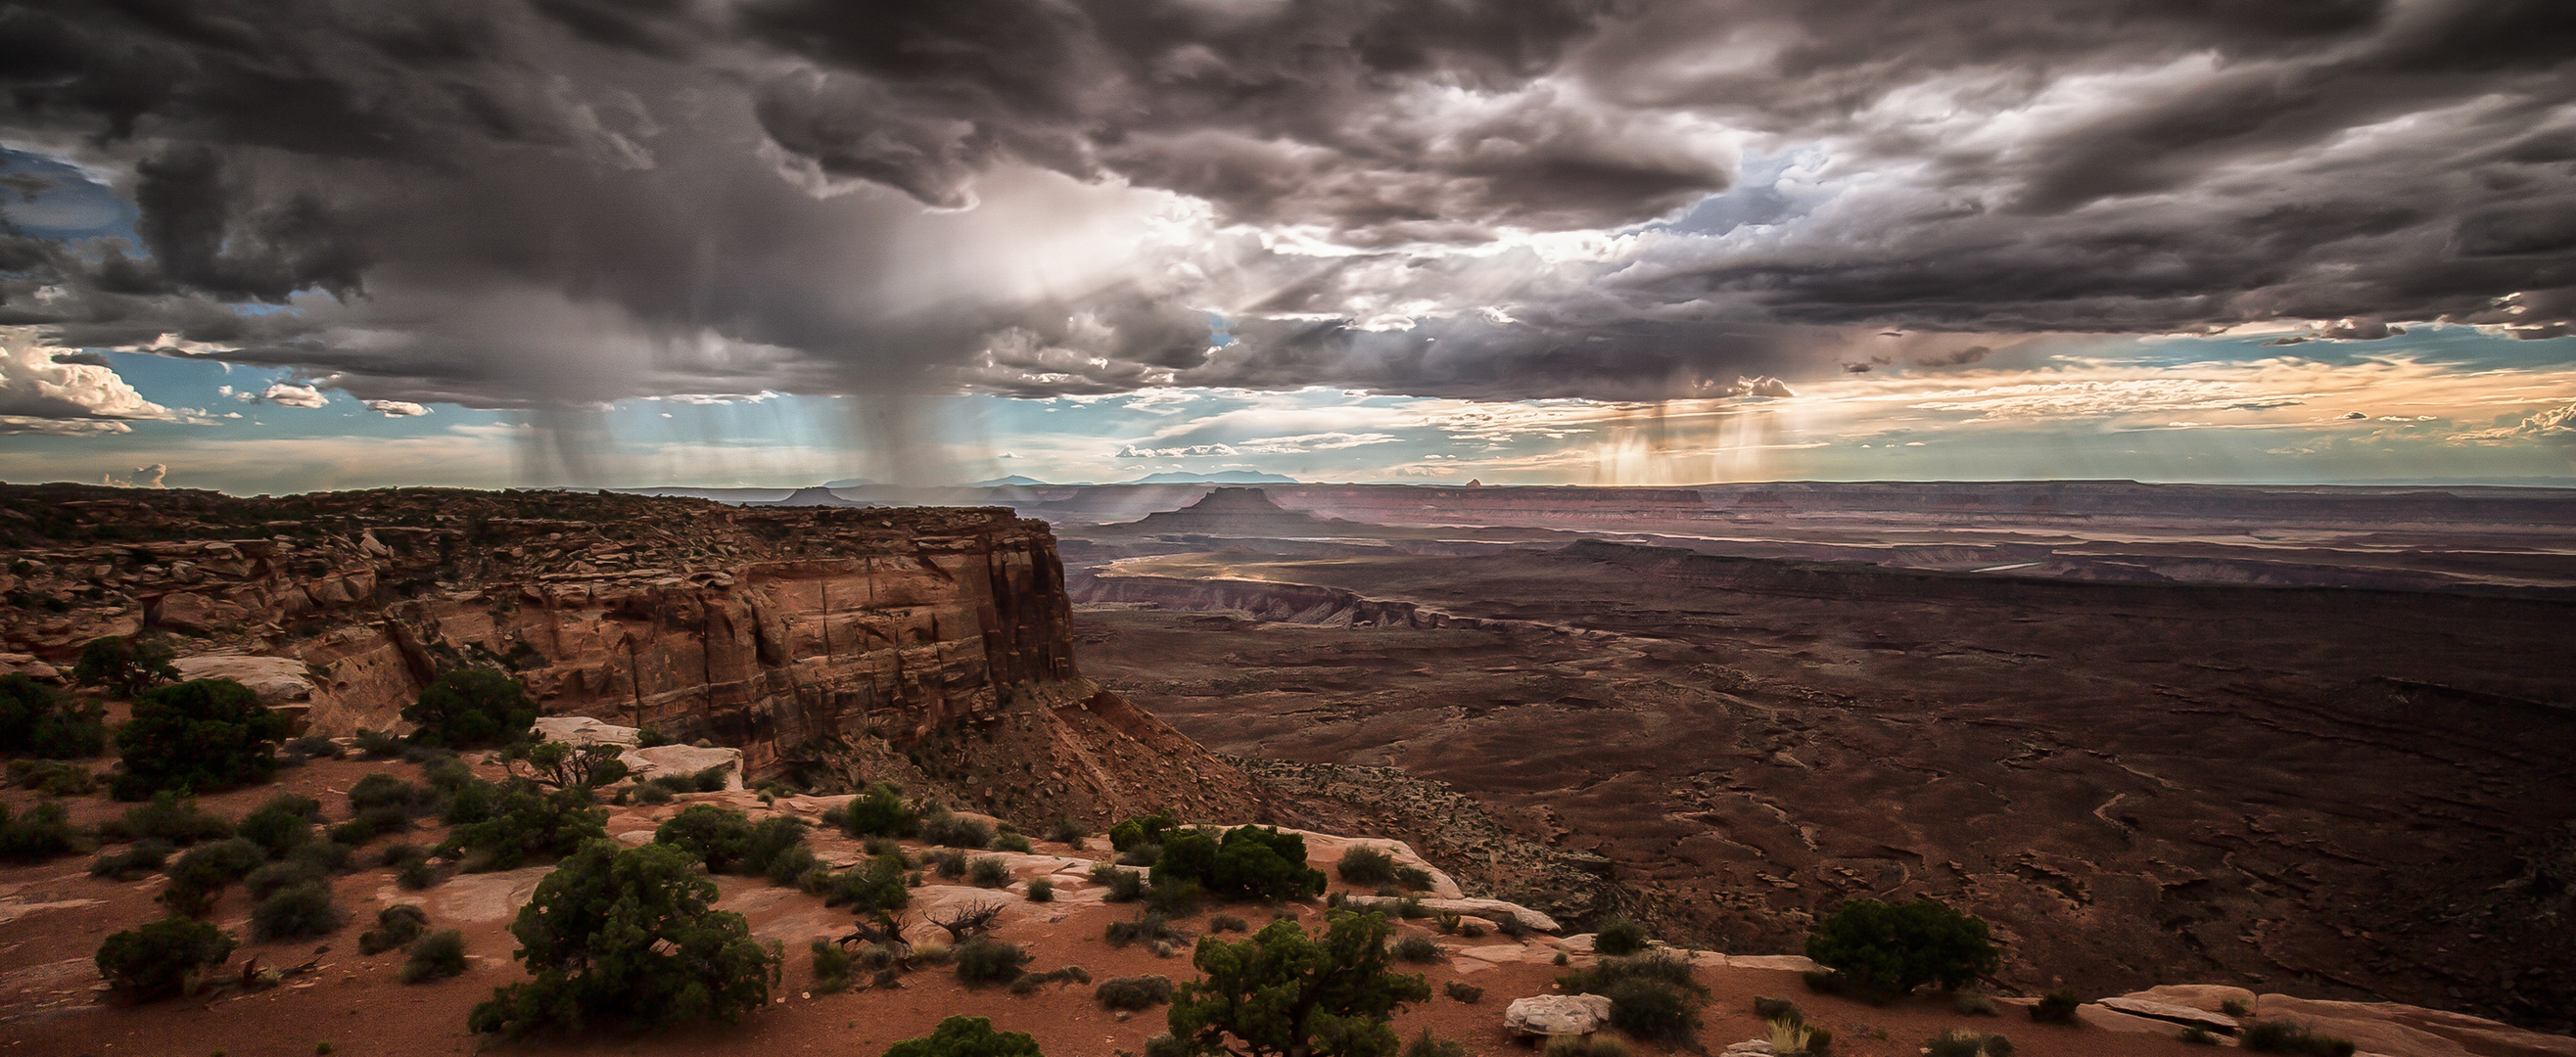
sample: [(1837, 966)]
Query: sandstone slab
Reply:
[(277, 680), (583, 731), (474, 898), (1323, 850), (2413, 1031), (1794, 963), (2179, 1014), (683, 761), (1489, 909), (1557, 1014)]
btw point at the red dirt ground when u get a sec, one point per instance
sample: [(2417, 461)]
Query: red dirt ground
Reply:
[(51, 1002)]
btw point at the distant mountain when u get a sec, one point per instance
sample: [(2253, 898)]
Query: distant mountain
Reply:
[(811, 497), (1014, 480), (1221, 477), (854, 482)]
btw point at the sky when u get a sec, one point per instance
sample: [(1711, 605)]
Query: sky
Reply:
[(268, 246)]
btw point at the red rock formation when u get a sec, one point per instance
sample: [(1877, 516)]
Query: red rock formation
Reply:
[(857, 643)]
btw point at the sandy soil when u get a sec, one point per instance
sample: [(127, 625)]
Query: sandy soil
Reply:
[(55, 916)]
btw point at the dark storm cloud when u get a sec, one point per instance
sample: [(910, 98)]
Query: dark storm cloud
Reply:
[(549, 203)]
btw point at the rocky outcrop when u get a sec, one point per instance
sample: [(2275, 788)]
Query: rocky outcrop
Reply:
[(1550, 1015), (835, 644), (2377, 1027)]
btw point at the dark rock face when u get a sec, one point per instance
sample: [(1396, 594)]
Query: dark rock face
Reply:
[(1232, 512), (858, 644)]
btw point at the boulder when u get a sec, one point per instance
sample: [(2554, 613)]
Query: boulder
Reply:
[(1755, 1047), (681, 760), (27, 665), (1557, 1014), (188, 611)]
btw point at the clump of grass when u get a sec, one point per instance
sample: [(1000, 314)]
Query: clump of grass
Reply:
[(1960, 1042), (1417, 949), (1029, 983), (2055, 1007), (1125, 886), (1585, 1046), (291, 913), (138, 859), (2281, 1036), (1429, 1045), (831, 967), (1133, 992), (1174, 897), (1777, 1009), (1462, 991), (1041, 891), (396, 926), (436, 956), (949, 863), (1620, 936), (1972, 1004), (1363, 865), (171, 817), (1149, 927)]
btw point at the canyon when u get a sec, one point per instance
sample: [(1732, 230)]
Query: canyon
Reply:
[(928, 647), (2266, 736), (2300, 740)]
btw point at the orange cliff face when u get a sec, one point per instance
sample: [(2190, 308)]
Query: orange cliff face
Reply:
[(929, 646)]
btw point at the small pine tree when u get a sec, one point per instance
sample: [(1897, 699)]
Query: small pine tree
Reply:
[(629, 935), (525, 823), (968, 1037), (719, 836), (201, 735), (163, 958), (1284, 992), (125, 666), (1894, 949), (471, 708), (37, 720)]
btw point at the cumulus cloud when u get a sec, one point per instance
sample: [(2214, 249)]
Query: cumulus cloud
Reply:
[(151, 476), (289, 394), (551, 206), (396, 408), (63, 391), (2557, 423)]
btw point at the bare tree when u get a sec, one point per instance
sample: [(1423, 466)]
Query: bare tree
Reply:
[(887, 932), (969, 921)]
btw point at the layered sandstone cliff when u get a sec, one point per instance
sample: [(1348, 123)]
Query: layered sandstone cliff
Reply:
[(927, 646)]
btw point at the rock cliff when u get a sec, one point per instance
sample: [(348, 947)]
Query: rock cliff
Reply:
[(926, 646)]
